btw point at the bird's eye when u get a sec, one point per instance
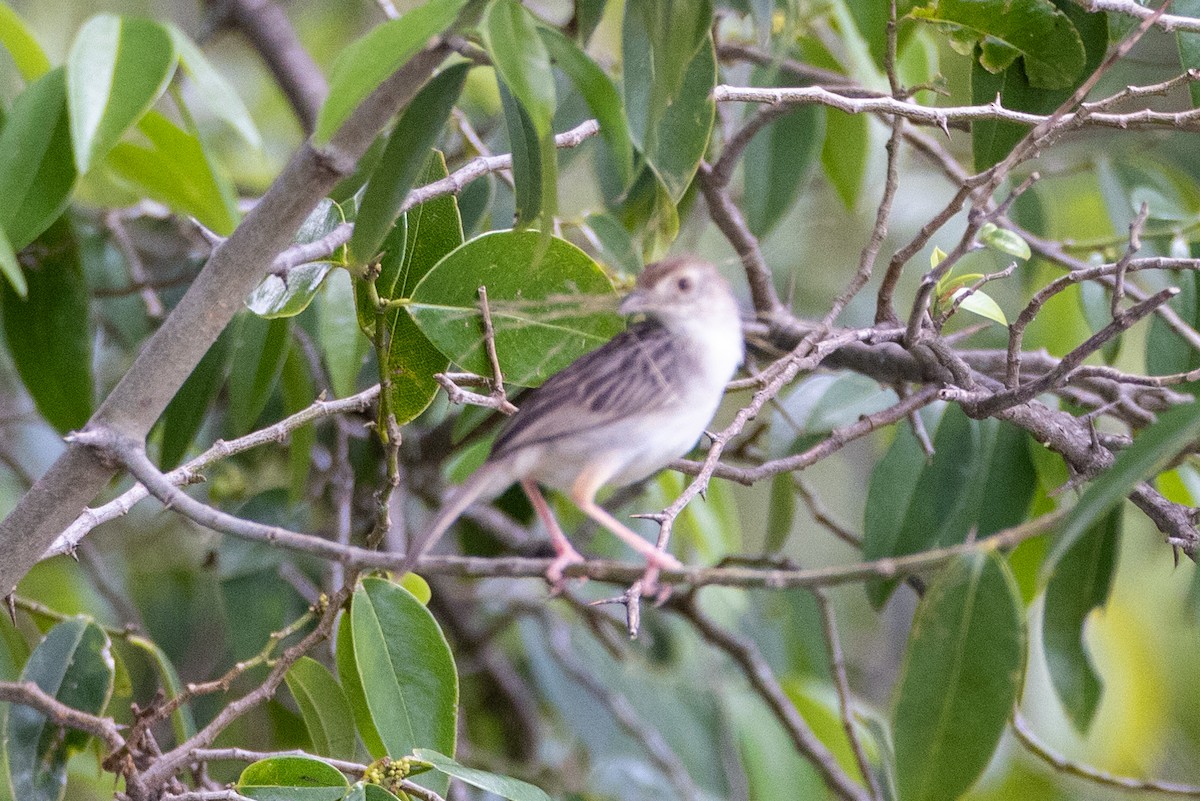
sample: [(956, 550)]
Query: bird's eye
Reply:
[(684, 284)]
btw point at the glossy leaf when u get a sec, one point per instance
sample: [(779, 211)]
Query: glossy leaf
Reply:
[(600, 94), (1005, 241), (216, 93), (779, 160), (503, 786), (188, 408), (342, 344), (74, 664), (292, 778), (117, 68), (324, 707), (681, 130), (661, 43), (347, 670), (1080, 583), (431, 231), (978, 302), (172, 167), (1151, 452), (258, 353), (522, 65), (404, 158), (406, 672), (289, 294), (1050, 45), (48, 333), (527, 160), (183, 725), (548, 306), (962, 674), (364, 65), (21, 44), (992, 140), (844, 154), (37, 169), (521, 60)]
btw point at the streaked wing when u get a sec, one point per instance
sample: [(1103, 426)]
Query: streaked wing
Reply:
[(635, 372)]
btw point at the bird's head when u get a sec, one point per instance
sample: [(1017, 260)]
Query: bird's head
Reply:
[(682, 291)]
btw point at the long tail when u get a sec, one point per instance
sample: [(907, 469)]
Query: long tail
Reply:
[(487, 481)]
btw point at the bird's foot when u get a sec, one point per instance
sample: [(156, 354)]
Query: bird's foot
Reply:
[(555, 573), (656, 562)]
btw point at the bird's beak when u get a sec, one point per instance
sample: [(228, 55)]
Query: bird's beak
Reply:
[(633, 303)]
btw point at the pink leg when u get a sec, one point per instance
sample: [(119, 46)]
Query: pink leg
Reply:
[(565, 554), (584, 495)]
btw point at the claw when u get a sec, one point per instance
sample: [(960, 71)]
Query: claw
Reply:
[(554, 573), (656, 562)]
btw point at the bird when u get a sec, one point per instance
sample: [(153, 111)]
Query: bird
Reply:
[(617, 414)]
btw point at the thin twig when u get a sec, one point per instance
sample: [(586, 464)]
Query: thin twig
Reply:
[(1024, 733), (837, 663)]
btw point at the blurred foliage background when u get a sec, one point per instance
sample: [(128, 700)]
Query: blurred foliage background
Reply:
[(210, 601)]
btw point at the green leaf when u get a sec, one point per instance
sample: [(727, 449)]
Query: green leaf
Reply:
[(549, 306), (404, 158), (913, 505), (614, 243), (781, 512), (406, 670), (183, 725), (1053, 51), (992, 140), (978, 302), (173, 167), (779, 160), (503, 786), (361, 791), (10, 269), (527, 160), (431, 230), (1005, 241), (1151, 452), (187, 410), (347, 669), (1188, 44), (37, 169), (600, 94), (523, 66), (674, 136), (961, 676), (298, 392), (292, 778), (259, 350), (217, 94), (324, 707), (74, 664), (367, 63), (844, 154), (48, 333), (21, 44), (1080, 583), (289, 294), (342, 344), (661, 46), (521, 60), (117, 68)]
